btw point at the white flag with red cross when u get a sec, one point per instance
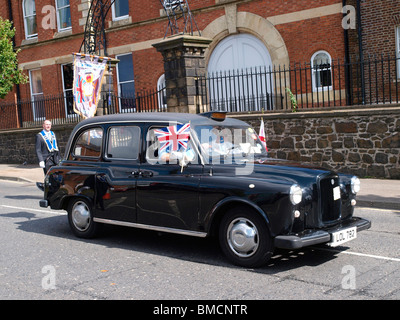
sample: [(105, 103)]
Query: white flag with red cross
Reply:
[(262, 135)]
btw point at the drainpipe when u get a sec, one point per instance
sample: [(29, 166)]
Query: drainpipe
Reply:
[(10, 14), (360, 49), (346, 60)]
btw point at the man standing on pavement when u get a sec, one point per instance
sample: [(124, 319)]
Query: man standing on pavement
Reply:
[(46, 149)]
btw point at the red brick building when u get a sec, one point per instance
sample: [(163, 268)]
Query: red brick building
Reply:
[(376, 42), (381, 27), (244, 33)]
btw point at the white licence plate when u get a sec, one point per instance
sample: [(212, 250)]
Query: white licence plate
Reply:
[(343, 236), (336, 193)]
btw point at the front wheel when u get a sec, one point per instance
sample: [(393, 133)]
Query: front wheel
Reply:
[(80, 219), (244, 238)]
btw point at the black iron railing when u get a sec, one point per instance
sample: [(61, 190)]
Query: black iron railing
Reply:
[(32, 112), (145, 101), (375, 80), (60, 109)]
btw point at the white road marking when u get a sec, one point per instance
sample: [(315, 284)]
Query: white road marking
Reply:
[(360, 254), (380, 210), (35, 210)]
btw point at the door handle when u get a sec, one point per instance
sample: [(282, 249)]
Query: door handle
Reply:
[(146, 174), (135, 174)]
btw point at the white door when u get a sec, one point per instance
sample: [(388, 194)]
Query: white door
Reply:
[(240, 77)]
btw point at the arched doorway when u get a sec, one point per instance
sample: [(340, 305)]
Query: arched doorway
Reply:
[(237, 52), (240, 74)]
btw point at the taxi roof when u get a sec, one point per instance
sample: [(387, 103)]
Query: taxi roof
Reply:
[(195, 119)]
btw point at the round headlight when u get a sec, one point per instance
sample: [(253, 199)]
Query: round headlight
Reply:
[(295, 194), (355, 185)]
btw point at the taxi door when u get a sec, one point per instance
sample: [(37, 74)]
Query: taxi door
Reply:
[(167, 193), (115, 179)]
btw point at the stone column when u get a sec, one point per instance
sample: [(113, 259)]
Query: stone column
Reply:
[(183, 62)]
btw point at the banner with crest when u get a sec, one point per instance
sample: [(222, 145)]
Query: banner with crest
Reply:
[(88, 78)]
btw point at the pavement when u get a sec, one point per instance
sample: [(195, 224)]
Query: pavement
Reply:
[(374, 193)]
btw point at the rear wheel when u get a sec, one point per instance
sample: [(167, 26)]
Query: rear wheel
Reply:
[(80, 218), (244, 238)]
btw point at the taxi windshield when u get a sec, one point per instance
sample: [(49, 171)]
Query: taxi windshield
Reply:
[(229, 141)]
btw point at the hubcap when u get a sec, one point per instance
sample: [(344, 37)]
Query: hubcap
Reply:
[(81, 216), (242, 237)]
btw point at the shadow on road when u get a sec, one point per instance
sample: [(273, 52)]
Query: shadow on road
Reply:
[(199, 250)]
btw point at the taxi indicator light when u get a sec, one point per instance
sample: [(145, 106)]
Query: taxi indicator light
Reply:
[(215, 115)]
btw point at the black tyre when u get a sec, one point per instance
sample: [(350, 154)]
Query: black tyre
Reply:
[(244, 238), (80, 219)]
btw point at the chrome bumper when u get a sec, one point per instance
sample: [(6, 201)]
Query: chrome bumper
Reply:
[(318, 236)]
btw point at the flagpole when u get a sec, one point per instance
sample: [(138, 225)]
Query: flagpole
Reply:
[(91, 56), (183, 155)]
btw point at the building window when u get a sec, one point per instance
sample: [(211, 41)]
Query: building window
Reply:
[(321, 69), (35, 81), (126, 82), (63, 15), (67, 73), (162, 92), (120, 9), (398, 50), (29, 11)]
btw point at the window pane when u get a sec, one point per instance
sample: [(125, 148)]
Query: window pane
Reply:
[(123, 142), (125, 68), (29, 7), (62, 3), (39, 106), (321, 58), (398, 41), (36, 81), (324, 78), (398, 50), (68, 76), (121, 8), (322, 70), (31, 27), (127, 89), (64, 17), (69, 102), (89, 143)]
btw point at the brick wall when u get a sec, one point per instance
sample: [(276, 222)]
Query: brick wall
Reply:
[(379, 19)]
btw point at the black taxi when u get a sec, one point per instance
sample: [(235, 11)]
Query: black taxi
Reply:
[(199, 175)]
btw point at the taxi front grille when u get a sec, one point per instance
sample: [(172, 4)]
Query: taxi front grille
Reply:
[(330, 208)]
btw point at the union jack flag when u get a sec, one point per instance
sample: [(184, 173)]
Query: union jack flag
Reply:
[(173, 138)]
